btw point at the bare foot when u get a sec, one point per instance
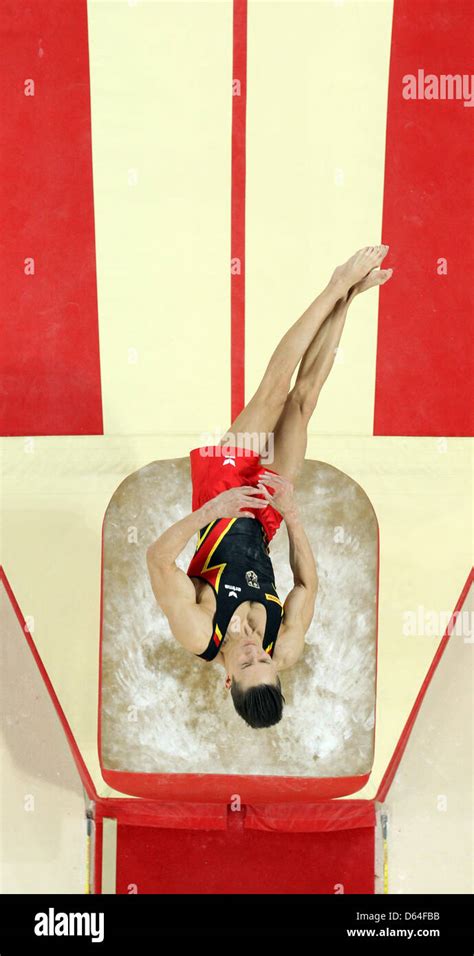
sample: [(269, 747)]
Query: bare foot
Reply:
[(357, 267), (374, 278)]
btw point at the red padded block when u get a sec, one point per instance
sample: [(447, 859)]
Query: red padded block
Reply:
[(311, 817), (218, 788), (241, 860), (176, 816)]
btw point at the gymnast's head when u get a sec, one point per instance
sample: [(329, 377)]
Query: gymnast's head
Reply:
[(260, 705)]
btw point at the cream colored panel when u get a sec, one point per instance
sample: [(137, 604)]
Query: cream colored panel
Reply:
[(42, 801), (161, 138), (429, 804), (318, 81)]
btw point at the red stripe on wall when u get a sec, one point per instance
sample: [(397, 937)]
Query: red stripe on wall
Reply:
[(424, 357), (239, 101), (49, 361)]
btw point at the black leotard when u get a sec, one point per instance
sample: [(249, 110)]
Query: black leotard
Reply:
[(232, 556)]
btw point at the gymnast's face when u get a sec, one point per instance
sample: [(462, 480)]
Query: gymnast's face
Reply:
[(252, 667), (244, 656)]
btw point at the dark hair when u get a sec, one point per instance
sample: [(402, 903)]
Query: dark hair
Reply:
[(260, 706)]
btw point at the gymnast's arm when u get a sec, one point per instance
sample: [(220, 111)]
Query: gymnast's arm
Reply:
[(298, 608), (172, 587)]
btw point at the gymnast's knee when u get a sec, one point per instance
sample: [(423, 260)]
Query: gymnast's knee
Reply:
[(304, 397)]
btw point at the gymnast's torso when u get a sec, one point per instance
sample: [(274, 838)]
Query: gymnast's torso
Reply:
[(231, 568)]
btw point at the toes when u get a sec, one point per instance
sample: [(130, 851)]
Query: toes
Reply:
[(371, 250), (384, 275), (374, 278)]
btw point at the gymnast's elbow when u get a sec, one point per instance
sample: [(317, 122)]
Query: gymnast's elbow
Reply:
[(157, 559)]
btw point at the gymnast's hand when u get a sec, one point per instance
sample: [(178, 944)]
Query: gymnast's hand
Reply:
[(229, 503), (283, 496)]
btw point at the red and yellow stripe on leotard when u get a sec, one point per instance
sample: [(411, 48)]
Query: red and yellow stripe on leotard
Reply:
[(201, 537), (217, 636), (207, 568), (195, 568), (216, 544)]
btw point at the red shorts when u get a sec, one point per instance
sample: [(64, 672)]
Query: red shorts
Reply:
[(216, 468)]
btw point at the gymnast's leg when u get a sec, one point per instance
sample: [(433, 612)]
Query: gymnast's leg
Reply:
[(291, 431), (260, 416)]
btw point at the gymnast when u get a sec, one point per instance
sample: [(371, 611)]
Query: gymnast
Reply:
[(225, 608)]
